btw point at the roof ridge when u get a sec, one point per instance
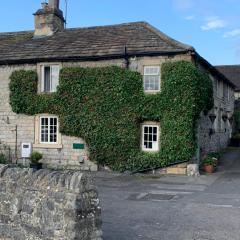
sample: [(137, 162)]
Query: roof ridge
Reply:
[(107, 25), (166, 38), (16, 32)]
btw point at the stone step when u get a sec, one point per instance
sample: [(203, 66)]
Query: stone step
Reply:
[(176, 170), (180, 169)]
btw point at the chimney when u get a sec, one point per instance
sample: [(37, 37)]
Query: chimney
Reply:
[(54, 4), (49, 19)]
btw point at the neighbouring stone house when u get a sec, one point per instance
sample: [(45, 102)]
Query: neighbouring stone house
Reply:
[(232, 72), (138, 46)]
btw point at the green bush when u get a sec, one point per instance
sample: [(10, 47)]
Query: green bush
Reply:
[(236, 136), (35, 157), (209, 161), (3, 159), (106, 107), (216, 155), (237, 119)]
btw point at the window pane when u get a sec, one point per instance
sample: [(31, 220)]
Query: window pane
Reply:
[(155, 130), (145, 129), (154, 138), (150, 129), (151, 82), (47, 79), (150, 137), (54, 77)]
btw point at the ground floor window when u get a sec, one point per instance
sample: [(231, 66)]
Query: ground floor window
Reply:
[(150, 137), (48, 130)]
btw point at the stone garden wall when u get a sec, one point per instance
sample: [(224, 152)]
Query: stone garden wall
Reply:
[(48, 204)]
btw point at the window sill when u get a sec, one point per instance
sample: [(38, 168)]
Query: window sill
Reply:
[(151, 92), (46, 93), (48, 146), (150, 151)]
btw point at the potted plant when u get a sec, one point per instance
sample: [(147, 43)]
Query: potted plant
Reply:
[(209, 164), (35, 157), (215, 156)]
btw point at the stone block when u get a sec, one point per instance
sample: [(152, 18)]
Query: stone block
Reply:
[(43, 207)]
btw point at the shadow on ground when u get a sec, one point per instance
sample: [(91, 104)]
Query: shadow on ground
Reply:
[(173, 207)]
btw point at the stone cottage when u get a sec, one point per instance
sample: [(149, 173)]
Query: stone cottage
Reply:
[(137, 46)]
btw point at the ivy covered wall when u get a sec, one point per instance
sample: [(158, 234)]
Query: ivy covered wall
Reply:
[(106, 107)]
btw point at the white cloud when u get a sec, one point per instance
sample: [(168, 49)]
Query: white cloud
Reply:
[(190, 17), (233, 33), (214, 23), (183, 5)]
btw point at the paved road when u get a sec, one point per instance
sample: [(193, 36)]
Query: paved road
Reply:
[(173, 207)]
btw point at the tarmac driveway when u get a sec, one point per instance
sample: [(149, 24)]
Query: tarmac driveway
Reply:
[(173, 207)]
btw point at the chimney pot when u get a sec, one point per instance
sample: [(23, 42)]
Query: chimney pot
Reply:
[(54, 4)]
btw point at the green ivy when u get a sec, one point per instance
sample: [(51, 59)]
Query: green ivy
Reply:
[(106, 107), (237, 120)]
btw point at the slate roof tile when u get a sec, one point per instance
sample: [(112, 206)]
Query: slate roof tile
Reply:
[(232, 72)]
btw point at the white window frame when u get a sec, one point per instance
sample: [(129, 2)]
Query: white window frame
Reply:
[(228, 92), (149, 74), (49, 133), (37, 138), (157, 145), (42, 71)]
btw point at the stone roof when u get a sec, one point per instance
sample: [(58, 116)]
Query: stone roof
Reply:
[(94, 43), (138, 38), (232, 72)]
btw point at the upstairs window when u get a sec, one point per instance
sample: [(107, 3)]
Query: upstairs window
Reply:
[(151, 78), (48, 130), (49, 78), (220, 89), (150, 138)]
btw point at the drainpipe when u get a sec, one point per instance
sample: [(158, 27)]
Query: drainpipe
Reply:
[(126, 57)]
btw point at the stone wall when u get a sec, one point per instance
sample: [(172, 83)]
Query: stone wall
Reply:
[(214, 136), (46, 204)]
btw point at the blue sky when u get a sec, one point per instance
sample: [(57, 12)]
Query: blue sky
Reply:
[(211, 26)]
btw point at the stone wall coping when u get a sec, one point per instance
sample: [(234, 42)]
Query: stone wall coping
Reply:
[(71, 180)]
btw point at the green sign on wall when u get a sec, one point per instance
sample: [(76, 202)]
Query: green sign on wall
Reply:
[(78, 146)]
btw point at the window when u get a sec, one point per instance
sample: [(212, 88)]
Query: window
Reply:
[(49, 78), (48, 130), (152, 78), (237, 95), (150, 138), (220, 89)]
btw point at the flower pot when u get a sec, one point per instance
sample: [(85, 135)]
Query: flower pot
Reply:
[(209, 168), (36, 166)]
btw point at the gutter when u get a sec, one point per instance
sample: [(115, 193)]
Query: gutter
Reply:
[(211, 68), (91, 58)]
